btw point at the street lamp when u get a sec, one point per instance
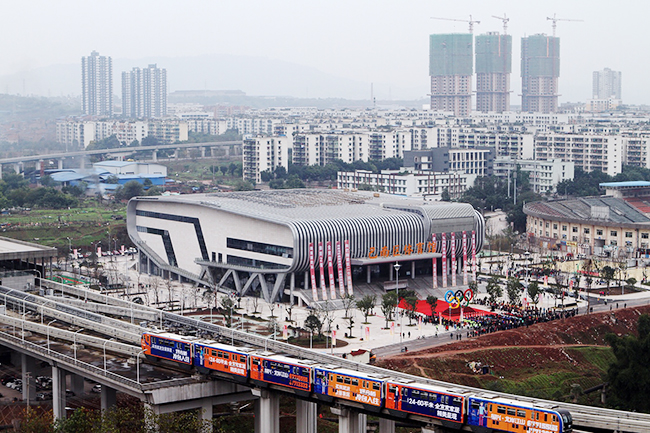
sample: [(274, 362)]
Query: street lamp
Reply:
[(48, 334), (112, 339), (397, 267), (74, 342)]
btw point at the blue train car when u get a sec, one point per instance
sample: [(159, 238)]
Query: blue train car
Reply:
[(212, 356), (282, 370), (426, 400), (168, 346)]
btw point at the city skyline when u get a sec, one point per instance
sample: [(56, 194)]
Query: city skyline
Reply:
[(363, 42)]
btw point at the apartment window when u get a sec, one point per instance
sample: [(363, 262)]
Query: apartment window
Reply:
[(644, 236), (554, 226), (564, 228), (574, 229), (547, 225), (574, 238), (599, 232), (613, 242), (613, 233), (628, 234)]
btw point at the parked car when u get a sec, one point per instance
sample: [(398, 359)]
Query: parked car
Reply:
[(42, 396), (97, 388), (69, 393)]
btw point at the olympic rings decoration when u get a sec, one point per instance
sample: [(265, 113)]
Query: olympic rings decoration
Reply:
[(459, 297)]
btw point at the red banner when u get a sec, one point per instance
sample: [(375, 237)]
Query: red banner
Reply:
[(464, 258), (473, 255), (435, 262), (321, 260), (339, 263), (312, 272), (454, 264), (348, 266), (444, 260), (330, 269)]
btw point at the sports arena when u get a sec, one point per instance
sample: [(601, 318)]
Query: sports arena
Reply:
[(311, 243)]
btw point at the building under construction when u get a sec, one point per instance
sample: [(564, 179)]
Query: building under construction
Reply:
[(540, 69), (493, 68), (450, 68)]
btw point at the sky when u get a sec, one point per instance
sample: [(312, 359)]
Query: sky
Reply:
[(384, 42)]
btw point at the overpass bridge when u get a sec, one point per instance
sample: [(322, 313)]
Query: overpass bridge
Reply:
[(97, 323), (19, 161)]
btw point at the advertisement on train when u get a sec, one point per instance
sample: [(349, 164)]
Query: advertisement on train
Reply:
[(220, 360), (348, 387), (281, 373), (425, 402), (167, 348)]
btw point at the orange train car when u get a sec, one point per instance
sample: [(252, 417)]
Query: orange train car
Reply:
[(349, 385), (213, 356)]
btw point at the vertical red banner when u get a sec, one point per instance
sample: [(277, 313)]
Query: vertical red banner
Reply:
[(444, 260), (321, 259), (339, 263), (330, 269), (464, 258), (312, 272), (474, 255), (454, 263), (434, 261), (348, 266)]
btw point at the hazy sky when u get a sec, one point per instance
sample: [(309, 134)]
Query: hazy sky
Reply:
[(380, 41)]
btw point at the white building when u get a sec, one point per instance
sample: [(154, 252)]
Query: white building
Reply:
[(144, 93), (408, 182), (97, 85), (588, 152), (264, 154), (543, 175), (130, 168)]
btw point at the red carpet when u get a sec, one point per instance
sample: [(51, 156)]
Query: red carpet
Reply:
[(442, 308)]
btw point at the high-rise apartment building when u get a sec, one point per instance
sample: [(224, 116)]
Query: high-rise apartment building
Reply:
[(144, 92), (97, 85), (493, 68), (607, 84), (540, 69), (451, 69)]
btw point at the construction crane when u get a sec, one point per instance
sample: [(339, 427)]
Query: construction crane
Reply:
[(505, 22), (470, 21), (555, 20)]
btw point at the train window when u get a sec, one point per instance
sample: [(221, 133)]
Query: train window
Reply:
[(339, 379), (320, 374), (355, 382), (521, 413), (545, 417), (512, 412), (536, 416), (256, 362), (226, 356), (214, 353), (242, 358), (415, 393), (501, 409), (475, 404), (375, 386), (490, 408), (425, 395), (346, 380), (554, 418), (392, 389)]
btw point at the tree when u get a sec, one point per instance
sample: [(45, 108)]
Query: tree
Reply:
[(494, 289), (348, 303), (513, 288), (388, 305), (411, 305), (629, 374), (607, 273), (534, 291), (445, 195), (433, 302), (314, 324), (366, 304), (350, 321), (243, 185), (131, 189), (227, 305)]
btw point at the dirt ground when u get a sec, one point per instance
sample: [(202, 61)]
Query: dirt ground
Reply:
[(549, 358)]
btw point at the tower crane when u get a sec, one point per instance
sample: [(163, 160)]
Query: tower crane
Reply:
[(555, 20), (471, 22), (505, 22)]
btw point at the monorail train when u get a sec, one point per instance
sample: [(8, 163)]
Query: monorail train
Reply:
[(481, 412)]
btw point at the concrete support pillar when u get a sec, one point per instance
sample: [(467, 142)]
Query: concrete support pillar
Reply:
[(306, 416), (211, 152), (206, 413), (350, 421), (77, 383), (386, 425), (434, 429), (227, 149), (60, 164), (28, 376), (58, 392), (108, 398), (17, 168), (368, 274), (267, 411), (82, 162), (292, 286), (176, 153), (154, 156), (203, 152), (151, 414), (0, 171), (413, 270)]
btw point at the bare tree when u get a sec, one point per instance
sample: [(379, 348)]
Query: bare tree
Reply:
[(154, 284)]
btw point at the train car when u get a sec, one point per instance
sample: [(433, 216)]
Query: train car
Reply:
[(426, 400), (212, 356), (350, 385), (267, 368), (487, 413), (169, 346)]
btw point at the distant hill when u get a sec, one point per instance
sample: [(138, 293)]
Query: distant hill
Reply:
[(256, 76)]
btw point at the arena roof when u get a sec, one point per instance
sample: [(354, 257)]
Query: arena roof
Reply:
[(628, 184), (12, 249)]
